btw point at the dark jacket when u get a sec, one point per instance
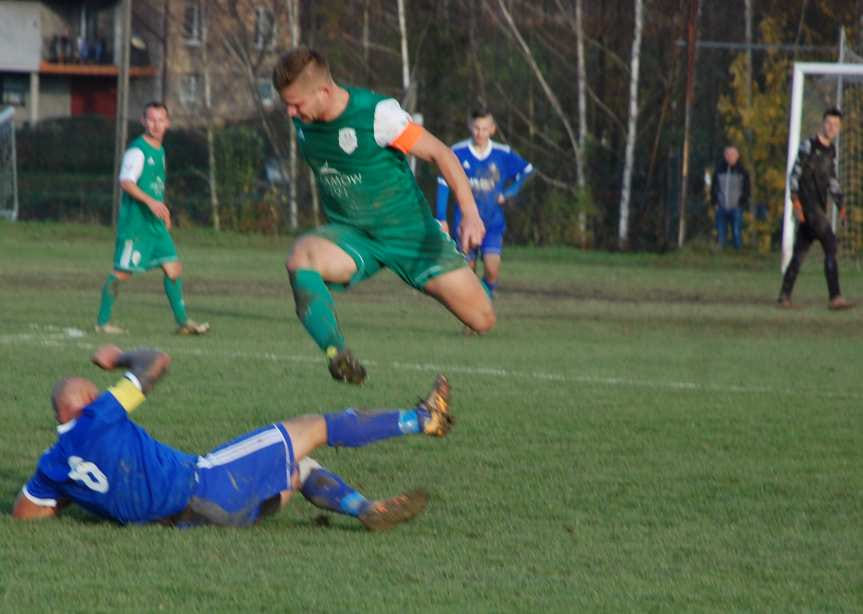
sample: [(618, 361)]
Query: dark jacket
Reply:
[(729, 188), (813, 178)]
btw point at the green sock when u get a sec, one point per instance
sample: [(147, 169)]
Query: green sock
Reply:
[(314, 305), (174, 292), (110, 290)]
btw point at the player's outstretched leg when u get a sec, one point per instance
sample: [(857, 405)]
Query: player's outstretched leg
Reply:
[(328, 491), (351, 428), (431, 416)]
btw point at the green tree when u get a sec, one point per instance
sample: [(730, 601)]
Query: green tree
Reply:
[(765, 119)]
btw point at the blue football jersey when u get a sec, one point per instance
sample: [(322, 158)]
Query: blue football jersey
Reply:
[(498, 171), (109, 465)]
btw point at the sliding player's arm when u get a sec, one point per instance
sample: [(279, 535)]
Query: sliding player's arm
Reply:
[(146, 366), (25, 508)]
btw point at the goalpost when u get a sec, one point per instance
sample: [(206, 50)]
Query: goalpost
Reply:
[(815, 87), (8, 166)]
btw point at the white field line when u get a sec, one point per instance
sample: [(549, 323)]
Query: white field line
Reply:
[(56, 336)]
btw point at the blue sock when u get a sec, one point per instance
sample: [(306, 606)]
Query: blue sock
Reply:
[(326, 490), (352, 428), (488, 287)]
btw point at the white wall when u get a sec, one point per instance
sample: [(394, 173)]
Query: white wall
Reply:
[(20, 36)]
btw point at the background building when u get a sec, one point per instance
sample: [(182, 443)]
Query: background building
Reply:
[(60, 59)]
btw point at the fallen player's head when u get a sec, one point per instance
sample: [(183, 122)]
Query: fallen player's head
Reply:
[(70, 396)]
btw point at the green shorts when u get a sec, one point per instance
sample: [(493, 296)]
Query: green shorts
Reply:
[(416, 254), (144, 251)]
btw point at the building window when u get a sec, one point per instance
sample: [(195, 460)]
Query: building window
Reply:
[(13, 91), (265, 29), (191, 90), (192, 22)]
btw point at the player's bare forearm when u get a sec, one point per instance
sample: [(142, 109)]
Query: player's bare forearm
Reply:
[(146, 364), (431, 149), (131, 188), (24, 509)]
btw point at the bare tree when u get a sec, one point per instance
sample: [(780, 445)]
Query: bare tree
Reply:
[(409, 97), (208, 118), (692, 39), (408, 87), (248, 52), (626, 187), (294, 18), (540, 77), (582, 118)]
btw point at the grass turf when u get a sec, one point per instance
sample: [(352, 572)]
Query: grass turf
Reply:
[(639, 432)]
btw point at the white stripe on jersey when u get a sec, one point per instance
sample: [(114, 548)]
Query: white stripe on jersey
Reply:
[(133, 165), (126, 256), (242, 448)]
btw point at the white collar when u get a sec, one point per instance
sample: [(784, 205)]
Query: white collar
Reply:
[(483, 155), (66, 426)]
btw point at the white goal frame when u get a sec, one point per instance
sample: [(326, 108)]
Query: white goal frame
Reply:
[(801, 71), (7, 115)]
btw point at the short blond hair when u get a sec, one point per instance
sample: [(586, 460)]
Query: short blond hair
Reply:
[(296, 63)]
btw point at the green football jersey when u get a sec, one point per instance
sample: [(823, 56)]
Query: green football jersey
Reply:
[(362, 183), (135, 217)]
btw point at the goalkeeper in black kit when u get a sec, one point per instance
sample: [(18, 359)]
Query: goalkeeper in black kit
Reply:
[(813, 180)]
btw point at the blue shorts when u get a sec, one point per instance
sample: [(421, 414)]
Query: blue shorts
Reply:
[(235, 478), (492, 243)]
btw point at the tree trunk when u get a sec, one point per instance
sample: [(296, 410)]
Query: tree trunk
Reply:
[(409, 100), (626, 187), (366, 66), (294, 17), (748, 93), (409, 89), (210, 128), (582, 120), (473, 45), (691, 48)]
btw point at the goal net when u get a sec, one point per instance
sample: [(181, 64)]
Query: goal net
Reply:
[(816, 87), (8, 164)]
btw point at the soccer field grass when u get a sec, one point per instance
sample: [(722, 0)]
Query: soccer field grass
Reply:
[(638, 433)]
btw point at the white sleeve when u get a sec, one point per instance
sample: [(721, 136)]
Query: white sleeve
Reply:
[(38, 501), (133, 165), (390, 121)]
